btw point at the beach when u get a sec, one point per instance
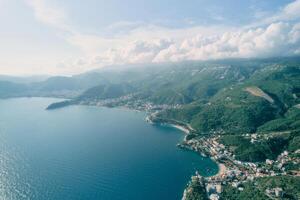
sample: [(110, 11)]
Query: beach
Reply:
[(222, 169), (185, 130)]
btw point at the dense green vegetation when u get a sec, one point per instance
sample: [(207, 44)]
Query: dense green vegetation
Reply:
[(294, 141), (234, 109), (289, 121), (108, 91), (263, 149), (259, 151), (289, 184), (195, 191), (250, 192)]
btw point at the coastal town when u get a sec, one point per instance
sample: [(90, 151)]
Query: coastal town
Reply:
[(131, 101), (234, 172)]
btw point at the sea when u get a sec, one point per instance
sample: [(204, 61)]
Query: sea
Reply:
[(90, 153)]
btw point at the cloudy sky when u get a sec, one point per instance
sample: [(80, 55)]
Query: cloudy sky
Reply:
[(73, 36)]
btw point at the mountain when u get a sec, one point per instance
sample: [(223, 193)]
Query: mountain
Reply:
[(181, 83), (10, 89), (23, 79), (270, 93), (233, 95), (224, 96), (57, 86)]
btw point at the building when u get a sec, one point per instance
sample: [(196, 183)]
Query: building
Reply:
[(214, 197), (278, 192)]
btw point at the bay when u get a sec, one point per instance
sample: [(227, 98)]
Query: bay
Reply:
[(85, 152)]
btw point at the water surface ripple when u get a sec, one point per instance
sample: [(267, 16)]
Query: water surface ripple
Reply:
[(82, 152)]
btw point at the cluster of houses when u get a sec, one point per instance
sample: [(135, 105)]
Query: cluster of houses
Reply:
[(237, 172), (206, 147), (213, 190), (130, 101), (282, 160), (274, 192)]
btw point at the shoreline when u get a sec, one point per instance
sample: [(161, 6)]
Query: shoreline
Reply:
[(222, 169), (185, 128), (181, 128)]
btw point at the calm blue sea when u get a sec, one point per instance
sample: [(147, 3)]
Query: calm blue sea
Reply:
[(83, 152)]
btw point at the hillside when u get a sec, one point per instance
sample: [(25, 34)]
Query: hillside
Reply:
[(242, 97), (269, 94), (10, 89), (237, 96)]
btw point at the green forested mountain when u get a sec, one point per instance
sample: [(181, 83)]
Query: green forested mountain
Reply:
[(270, 93), (182, 83), (107, 91), (237, 95)]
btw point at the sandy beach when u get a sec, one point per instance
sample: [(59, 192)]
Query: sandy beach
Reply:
[(185, 130), (222, 170)]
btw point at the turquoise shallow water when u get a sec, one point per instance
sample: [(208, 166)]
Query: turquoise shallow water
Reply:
[(82, 152)]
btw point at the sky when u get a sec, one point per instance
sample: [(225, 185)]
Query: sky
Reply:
[(73, 36)]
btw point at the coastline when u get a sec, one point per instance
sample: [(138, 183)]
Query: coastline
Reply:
[(222, 169), (188, 131), (181, 128), (185, 128)]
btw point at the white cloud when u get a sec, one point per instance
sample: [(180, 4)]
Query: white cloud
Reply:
[(49, 14), (94, 44), (277, 39), (136, 42), (290, 12)]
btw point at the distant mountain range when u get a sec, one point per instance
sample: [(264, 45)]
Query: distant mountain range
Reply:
[(237, 95)]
